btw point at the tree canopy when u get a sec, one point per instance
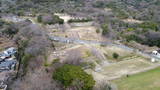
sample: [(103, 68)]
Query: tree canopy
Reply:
[(71, 75)]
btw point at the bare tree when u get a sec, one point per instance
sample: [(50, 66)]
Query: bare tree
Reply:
[(74, 57)]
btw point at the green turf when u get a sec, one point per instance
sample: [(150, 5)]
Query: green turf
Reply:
[(149, 80)]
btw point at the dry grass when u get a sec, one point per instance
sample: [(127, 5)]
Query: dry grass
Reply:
[(132, 21), (126, 67), (123, 54)]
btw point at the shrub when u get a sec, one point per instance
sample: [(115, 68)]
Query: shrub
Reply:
[(71, 75), (149, 25), (49, 19), (130, 29), (105, 29), (99, 4), (115, 55), (2, 22), (117, 10), (9, 29), (97, 31), (121, 14), (20, 13), (25, 60), (55, 60), (88, 54), (133, 37), (57, 20), (92, 65), (39, 18), (46, 64)]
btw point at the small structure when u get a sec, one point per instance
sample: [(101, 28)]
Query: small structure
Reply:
[(153, 60), (156, 56), (156, 53)]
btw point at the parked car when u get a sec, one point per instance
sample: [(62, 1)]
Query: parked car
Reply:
[(7, 53), (7, 65), (10, 51)]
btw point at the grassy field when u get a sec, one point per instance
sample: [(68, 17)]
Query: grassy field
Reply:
[(125, 67), (149, 80), (123, 54)]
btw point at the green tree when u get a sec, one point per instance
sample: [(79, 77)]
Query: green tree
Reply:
[(97, 31), (133, 37), (115, 55), (105, 29), (71, 75), (39, 18), (49, 19), (149, 25)]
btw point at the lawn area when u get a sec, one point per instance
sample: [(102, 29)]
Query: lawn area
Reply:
[(125, 67), (149, 80), (123, 54)]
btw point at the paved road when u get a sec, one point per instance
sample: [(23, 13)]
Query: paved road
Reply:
[(79, 41)]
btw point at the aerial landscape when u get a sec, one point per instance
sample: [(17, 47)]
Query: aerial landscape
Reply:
[(79, 44)]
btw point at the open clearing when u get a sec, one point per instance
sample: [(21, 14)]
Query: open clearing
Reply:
[(122, 68), (84, 30), (65, 17), (132, 21), (149, 80), (81, 32), (125, 67), (123, 54)]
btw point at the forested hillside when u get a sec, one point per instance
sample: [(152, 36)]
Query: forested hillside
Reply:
[(116, 20)]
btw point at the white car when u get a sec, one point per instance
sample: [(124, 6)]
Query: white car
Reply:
[(10, 51)]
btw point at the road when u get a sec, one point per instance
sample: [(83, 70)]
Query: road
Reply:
[(79, 41)]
